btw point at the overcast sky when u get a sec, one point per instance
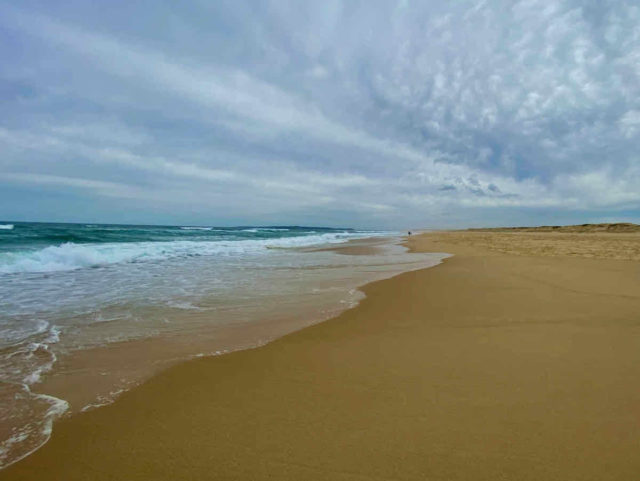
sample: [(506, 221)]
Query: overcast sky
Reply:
[(368, 113)]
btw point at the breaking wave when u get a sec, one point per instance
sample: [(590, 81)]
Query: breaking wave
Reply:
[(71, 256)]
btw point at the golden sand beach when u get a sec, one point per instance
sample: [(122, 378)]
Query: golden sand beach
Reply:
[(518, 358)]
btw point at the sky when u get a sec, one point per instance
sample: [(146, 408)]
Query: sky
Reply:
[(370, 114)]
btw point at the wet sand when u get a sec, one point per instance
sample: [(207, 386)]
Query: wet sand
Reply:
[(355, 247), (512, 362)]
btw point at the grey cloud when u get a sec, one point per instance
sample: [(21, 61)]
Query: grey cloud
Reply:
[(360, 113)]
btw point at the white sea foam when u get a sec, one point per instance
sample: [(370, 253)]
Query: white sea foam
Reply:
[(36, 375), (70, 256), (105, 400), (6, 226), (30, 436), (268, 229), (28, 361), (196, 228), (29, 415), (15, 333), (184, 305)]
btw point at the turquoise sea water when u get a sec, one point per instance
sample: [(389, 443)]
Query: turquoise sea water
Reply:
[(47, 247)]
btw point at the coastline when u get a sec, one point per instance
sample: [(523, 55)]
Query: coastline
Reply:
[(318, 285), (490, 365)]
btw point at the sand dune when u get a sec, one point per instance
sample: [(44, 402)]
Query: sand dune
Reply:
[(619, 227)]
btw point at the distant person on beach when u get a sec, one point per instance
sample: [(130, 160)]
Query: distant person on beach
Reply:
[(409, 232)]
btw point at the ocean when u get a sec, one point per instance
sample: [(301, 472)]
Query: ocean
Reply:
[(88, 311)]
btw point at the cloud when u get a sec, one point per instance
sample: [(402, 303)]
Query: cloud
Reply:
[(111, 189), (374, 115)]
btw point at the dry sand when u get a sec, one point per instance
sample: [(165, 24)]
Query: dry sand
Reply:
[(505, 362)]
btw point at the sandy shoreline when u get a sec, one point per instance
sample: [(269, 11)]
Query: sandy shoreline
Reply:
[(139, 359), (93, 365), (508, 363)]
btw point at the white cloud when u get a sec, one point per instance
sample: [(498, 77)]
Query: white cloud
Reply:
[(392, 110), (111, 189)]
